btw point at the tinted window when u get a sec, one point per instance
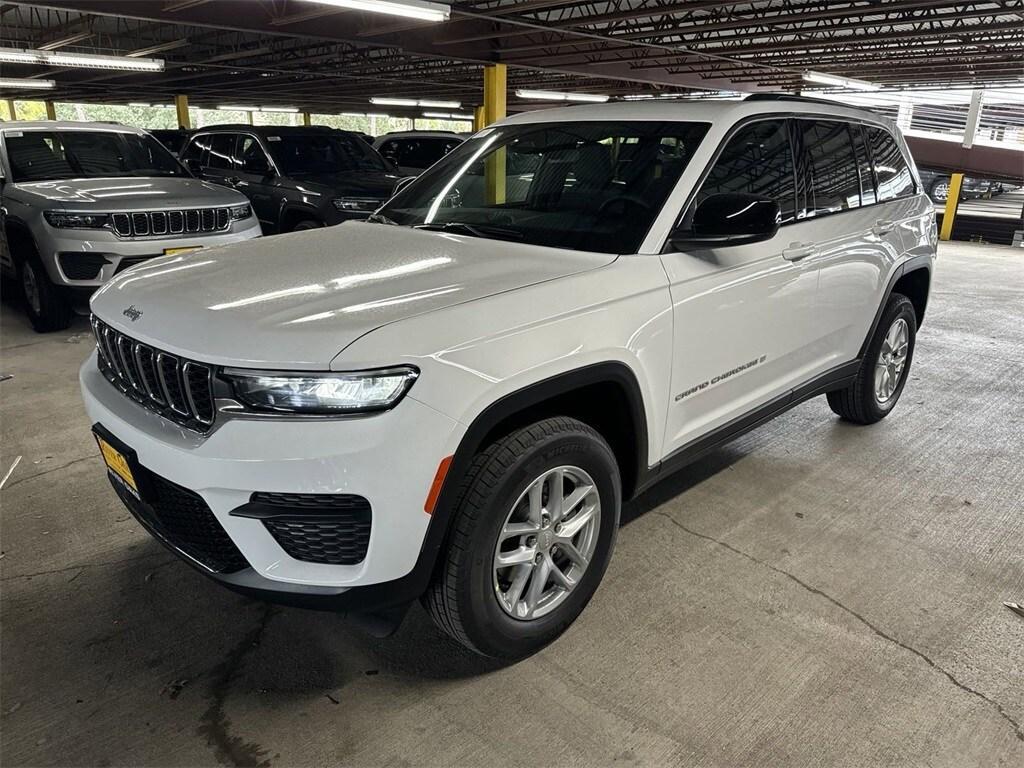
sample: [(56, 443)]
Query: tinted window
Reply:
[(417, 152), (756, 161), (891, 171), (867, 178), (299, 153), (48, 155), (194, 151), (831, 167), (250, 155), (220, 152), (593, 186)]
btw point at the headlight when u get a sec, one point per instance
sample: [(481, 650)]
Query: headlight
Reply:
[(349, 204), (63, 220), (239, 212), (323, 393)]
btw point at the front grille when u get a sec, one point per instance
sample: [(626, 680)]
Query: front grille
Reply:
[(318, 528), (81, 266), (178, 389), (161, 223), (182, 519)]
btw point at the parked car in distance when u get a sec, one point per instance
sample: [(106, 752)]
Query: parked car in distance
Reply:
[(172, 138), (450, 400), (296, 177), (936, 184), (82, 202), (415, 151)]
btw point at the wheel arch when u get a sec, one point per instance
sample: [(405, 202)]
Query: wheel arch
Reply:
[(912, 275)]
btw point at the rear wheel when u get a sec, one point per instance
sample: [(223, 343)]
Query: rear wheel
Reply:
[(46, 304), (533, 533), (306, 224), (884, 369), (940, 191)]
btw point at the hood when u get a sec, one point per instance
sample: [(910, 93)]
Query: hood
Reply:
[(131, 193), (378, 184), (297, 300)]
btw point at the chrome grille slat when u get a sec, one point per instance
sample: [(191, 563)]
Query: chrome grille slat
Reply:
[(178, 389), (162, 223)]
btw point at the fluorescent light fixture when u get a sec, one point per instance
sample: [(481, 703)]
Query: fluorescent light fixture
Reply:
[(840, 81), (26, 82), (236, 108), (389, 102), (139, 104), (279, 109), (525, 93), (84, 60), (353, 114), (410, 9), (447, 116), (377, 114)]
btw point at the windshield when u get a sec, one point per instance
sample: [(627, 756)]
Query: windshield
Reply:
[(323, 153), (50, 155), (594, 186)]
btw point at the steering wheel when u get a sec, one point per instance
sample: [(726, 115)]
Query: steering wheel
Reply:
[(633, 199)]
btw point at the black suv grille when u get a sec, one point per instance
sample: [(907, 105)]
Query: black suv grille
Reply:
[(182, 519), (317, 528), (179, 390), (161, 223)]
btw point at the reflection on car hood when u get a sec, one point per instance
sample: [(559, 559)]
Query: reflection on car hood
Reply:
[(128, 193), (297, 300), (376, 184)]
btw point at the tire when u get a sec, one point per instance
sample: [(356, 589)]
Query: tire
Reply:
[(47, 305), (305, 224), (939, 191), (463, 597), (862, 402)]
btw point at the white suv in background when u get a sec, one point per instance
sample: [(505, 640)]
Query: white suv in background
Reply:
[(451, 401)]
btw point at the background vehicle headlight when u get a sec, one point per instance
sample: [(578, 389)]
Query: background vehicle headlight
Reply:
[(239, 212), (362, 204), (63, 220), (323, 393)]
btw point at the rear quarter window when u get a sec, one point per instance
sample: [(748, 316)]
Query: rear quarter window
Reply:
[(891, 169)]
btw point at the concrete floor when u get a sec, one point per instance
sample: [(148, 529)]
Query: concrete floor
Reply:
[(814, 594)]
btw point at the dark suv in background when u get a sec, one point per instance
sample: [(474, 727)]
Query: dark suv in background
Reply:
[(296, 177)]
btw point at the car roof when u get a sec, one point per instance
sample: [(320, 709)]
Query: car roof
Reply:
[(271, 130), (67, 125), (419, 135), (697, 110)]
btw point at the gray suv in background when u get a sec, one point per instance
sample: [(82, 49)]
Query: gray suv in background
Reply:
[(81, 202)]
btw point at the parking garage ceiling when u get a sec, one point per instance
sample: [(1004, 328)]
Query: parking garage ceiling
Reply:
[(322, 58)]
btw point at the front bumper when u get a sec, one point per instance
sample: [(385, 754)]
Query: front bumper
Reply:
[(389, 459), (60, 246)]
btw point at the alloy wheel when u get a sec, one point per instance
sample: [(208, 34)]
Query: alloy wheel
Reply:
[(892, 359), (546, 543)]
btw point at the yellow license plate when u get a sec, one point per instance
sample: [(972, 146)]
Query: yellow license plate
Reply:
[(118, 464), (177, 251)]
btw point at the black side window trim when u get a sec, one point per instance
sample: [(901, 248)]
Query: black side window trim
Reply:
[(792, 118)]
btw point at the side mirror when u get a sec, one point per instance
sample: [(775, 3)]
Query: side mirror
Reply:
[(402, 184), (730, 218)]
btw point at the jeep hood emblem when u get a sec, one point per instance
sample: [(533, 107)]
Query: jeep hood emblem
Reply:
[(132, 313)]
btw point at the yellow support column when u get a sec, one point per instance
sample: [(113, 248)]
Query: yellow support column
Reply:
[(12, 113), (306, 121), (952, 202), (248, 118), (478, 118), (181, 107), (51, 112), (495, 86)]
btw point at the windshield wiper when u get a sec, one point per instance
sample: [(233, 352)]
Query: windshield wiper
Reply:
[(380, 218), (474, 230)]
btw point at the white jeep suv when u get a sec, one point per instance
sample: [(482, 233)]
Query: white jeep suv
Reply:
[(451, 401)]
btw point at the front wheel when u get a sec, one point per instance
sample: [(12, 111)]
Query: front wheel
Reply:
[(533, 532), (940, 191), (884, 369), (47, 306)]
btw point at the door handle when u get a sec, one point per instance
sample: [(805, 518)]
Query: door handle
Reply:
[(798, 251), (883, 227)]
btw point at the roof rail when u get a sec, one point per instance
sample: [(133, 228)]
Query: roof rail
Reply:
[(789, 97)]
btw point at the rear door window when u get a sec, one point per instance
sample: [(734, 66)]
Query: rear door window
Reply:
[(222, 148), (830, 168), (891, 169), (757, 160)]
